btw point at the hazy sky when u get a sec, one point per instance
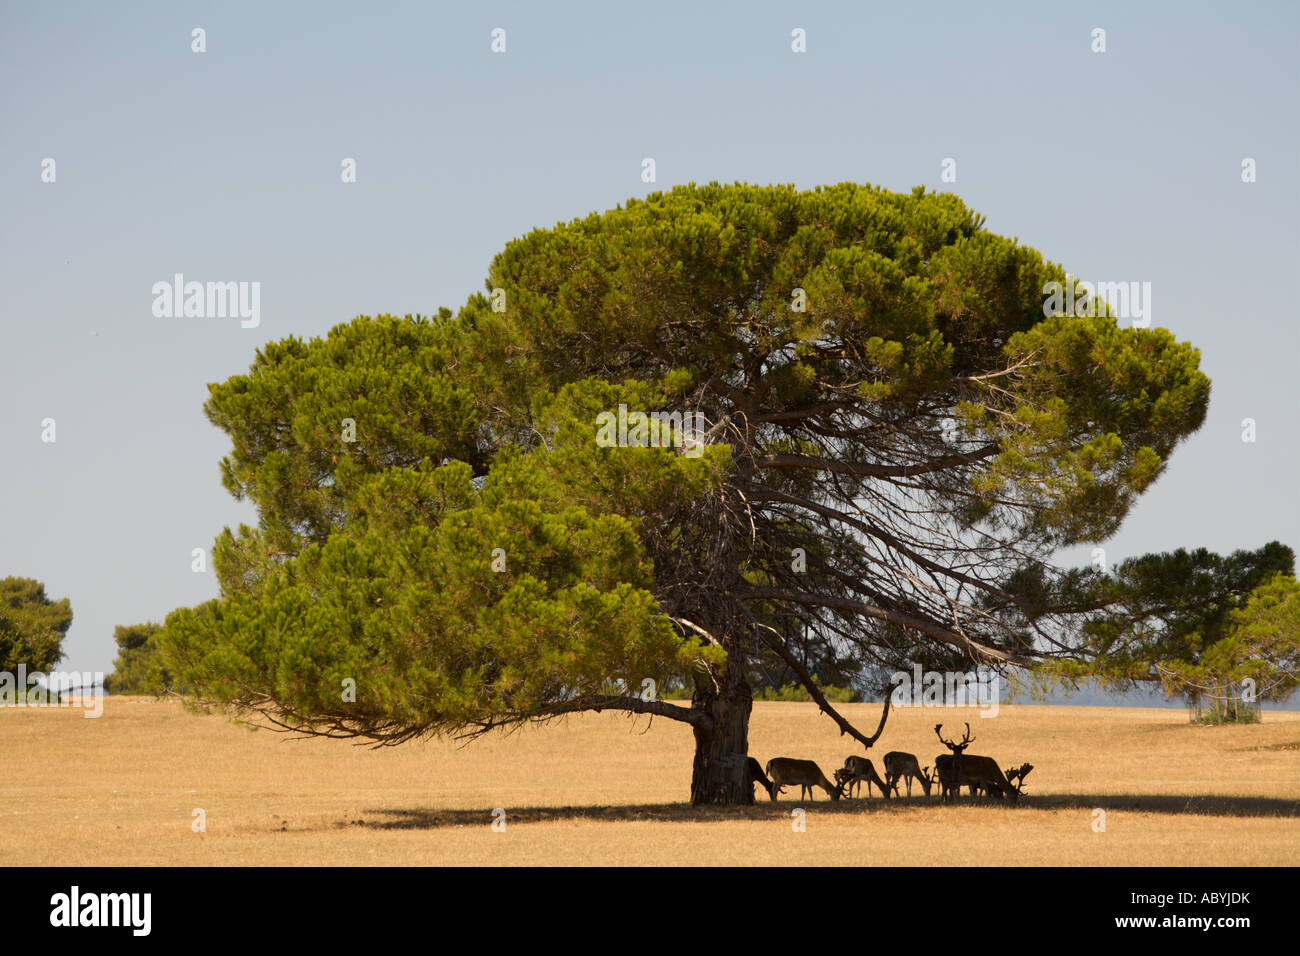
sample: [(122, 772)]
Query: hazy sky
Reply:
[(225, 166)]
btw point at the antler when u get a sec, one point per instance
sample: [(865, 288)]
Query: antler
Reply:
[(958, 747), (1016, 775)]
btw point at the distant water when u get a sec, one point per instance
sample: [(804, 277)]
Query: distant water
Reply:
[(1090, 695)]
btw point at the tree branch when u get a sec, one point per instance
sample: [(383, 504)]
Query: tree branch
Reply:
[(870, 470), (936, 631), (806, 679)]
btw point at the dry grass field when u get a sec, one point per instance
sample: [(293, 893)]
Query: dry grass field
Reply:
[(602, 788)]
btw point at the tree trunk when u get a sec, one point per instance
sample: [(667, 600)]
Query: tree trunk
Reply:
[(720, 775)]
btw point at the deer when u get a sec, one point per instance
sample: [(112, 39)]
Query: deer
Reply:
[(931, 775), (957, 770), (1017, 776), (855, 770), (787, 770), (754, 771), (899, 765), (984, 773), (947, 766)]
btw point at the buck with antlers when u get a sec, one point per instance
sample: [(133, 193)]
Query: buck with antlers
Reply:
[(756, 776), (855, 770), (931, 775), (959, 769), (945, 765), (1016, 775), (787, 770), (899, 765)]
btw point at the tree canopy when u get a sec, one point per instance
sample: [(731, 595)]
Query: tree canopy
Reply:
[(32, 625), (898, 434), (139, 667), (1261, 645)]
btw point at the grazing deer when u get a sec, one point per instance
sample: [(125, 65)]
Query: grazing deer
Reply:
[(899, 765), (787, 770), (1017, 776), (855, 770), (756, 776), (983, 775), (958, 769), (931, 775)]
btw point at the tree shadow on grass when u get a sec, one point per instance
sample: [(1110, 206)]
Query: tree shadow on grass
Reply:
[(1214, 805), (384, 818)]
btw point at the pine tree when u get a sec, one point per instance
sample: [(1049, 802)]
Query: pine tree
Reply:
[(897, 434)]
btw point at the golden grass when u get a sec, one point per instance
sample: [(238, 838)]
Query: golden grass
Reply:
[(601, 788)]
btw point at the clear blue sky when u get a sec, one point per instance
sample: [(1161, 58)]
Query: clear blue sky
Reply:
[(224, 165)]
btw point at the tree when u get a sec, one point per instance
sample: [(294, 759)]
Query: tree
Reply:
[(32, 626), (1254, 657), (1176, 618), (900, 428), (139, 668)]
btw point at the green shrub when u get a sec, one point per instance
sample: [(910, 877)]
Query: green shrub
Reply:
[(836, 695)]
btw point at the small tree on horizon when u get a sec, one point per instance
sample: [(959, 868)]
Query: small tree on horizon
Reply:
[(899, 435), (139, 667)]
